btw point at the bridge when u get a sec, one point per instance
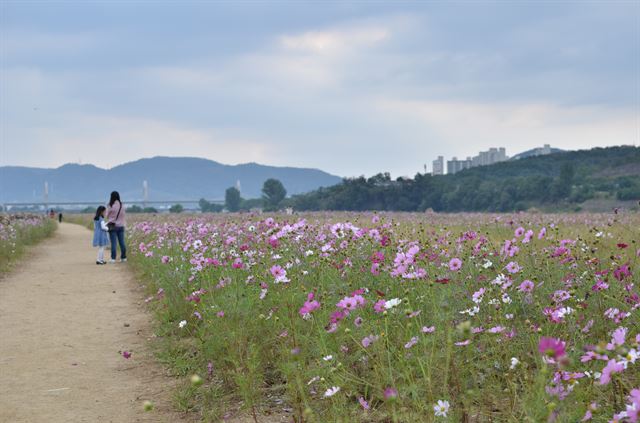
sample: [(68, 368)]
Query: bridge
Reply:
[(81, 204)]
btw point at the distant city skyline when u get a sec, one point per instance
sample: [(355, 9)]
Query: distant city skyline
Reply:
[(352, 88)]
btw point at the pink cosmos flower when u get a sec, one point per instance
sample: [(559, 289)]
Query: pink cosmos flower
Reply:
[(390, 393), (126, 354), (368, 340), (279, 273), (519, 232), (347, 303), (378, 307), (513, 267), (220, 314), (542, 233), (310, 305), (611, 368), (552, 347), (617, 338), (411, 342), (455, 264), (526, 286), (429, 329), (363, 403)]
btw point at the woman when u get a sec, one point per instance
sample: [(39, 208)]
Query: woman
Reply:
[(116, 223)]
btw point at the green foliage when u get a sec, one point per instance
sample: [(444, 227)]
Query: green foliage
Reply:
[(273, 192), (232, 199), (208, 207), (176, 208), (134, 209), (561, 179)]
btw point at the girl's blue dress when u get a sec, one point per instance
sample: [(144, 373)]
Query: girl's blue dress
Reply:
[(100, 238)]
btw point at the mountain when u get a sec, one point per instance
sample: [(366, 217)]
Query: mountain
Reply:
[(168, 178), (596, 179)]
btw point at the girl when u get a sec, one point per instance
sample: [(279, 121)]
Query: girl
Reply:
[(100, 229)]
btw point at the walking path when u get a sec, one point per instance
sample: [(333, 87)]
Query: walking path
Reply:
[(63, 321)]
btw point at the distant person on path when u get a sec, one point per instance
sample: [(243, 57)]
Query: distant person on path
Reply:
[(116, 223), (60, 217), (100, 230)]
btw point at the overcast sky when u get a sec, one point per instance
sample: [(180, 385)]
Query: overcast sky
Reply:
[(348, 87)]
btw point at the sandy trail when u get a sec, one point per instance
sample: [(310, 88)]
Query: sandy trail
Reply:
[(62, 325)]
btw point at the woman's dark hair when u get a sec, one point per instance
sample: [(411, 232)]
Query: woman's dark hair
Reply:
[(115, 196), (99, 211)]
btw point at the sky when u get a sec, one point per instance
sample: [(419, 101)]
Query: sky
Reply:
[(352, 88)]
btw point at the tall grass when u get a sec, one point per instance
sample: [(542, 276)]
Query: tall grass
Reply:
[(17, 232), (361, 318)]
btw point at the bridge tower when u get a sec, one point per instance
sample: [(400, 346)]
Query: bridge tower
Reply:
[(46, 195), (145, 193)]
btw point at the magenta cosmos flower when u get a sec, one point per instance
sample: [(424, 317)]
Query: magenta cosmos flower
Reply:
[(552, 347), (455, 264)]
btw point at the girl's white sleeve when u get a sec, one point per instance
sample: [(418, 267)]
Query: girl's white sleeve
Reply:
[(103, 225)]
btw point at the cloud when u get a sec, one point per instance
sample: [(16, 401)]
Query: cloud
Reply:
[(518, 126), (334, 41), (110, 140)]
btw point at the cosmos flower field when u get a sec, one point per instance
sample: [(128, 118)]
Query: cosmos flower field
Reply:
[(366, 317), (19, 230)]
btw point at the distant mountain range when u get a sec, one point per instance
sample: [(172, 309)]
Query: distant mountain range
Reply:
[(168, 178)]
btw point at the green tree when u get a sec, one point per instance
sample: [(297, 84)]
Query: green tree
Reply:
[(204, 205), (176, 208), (232, 199), (273, 192), (134, 209)]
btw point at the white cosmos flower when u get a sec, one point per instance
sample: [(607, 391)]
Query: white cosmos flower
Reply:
[(182, 324), (327, 357), (392, 303), (441, 408), (331, 391), (514, 363)]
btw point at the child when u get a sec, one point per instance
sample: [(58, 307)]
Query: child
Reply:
[(100, 230)]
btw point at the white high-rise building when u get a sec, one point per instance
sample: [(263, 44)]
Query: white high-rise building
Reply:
[(438, 166)]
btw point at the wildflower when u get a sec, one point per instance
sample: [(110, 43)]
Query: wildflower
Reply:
[(309, 306), (379, 306), (429, 329), (327, 357), (513, 267), (390, 393), (220, 314), (514, 363), (279, 273), (331, 391), (612, 367), (363, 403), (617, 338), (368, 340), (552, 347), (388, 305), (455, 264), (182, 324), (441, 408), (126, 354), (589, 414), (519, 232), (526, 286), (411, 342)]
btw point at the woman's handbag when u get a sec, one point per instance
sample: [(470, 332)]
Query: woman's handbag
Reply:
[(111, 226)]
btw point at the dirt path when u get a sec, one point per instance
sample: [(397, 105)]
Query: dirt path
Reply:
[(62, 323)]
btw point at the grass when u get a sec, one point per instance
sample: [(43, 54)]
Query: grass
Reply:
[(18, 232), (395, 327)]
